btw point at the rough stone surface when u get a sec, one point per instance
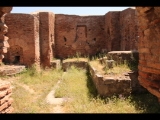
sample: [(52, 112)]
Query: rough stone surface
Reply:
[(148, 46), (5, 97)]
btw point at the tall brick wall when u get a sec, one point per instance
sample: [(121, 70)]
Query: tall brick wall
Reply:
[(24, 39), (42, 36), (149, 48), (46, 34), (128, 29), (121, 30), (112, 31), (79, 34), (5, 97)]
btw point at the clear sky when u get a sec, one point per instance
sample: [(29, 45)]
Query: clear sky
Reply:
[(69, 10)]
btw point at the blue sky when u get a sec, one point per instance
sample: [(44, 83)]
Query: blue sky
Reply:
[(69, 10)]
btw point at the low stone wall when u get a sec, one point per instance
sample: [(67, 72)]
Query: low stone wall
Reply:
[(121, 56), (78, 63), (5, 100), (108, 85), (11, 69)]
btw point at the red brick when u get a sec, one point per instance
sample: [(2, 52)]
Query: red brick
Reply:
[(143, 62), (143, 75), (10, 101), (144, 50), (9, 90), (4, 86), (141, 56), (3, 93), (153, 65), (150, 70), (4, 99), (3, 106)]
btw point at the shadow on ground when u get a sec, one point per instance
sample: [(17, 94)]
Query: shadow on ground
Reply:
[(146, 102)]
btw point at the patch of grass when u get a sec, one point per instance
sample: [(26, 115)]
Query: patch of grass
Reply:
[(41, 82), (76, 85), (68, 87), (116, 70)]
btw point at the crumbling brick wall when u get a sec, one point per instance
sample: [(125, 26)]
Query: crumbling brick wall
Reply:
[(148, 47), (24, 39), (46, 34), (5, 97), (79, 34)]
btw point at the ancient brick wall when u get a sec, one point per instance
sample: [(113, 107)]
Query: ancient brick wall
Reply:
[(24, 39), (78, 34), (148, 47), (121, 30), (46, 35), (128, 29), (112, 32), (5, 97)]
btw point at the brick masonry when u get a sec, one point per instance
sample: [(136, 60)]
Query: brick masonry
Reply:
[(148, 46), (24, 39), (5, 97), (79, 34), (40, 37), (46, 34)]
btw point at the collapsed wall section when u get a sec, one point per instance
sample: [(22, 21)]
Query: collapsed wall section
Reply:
[(84, 35), (24, 39), (149, 50), (46, 33)]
